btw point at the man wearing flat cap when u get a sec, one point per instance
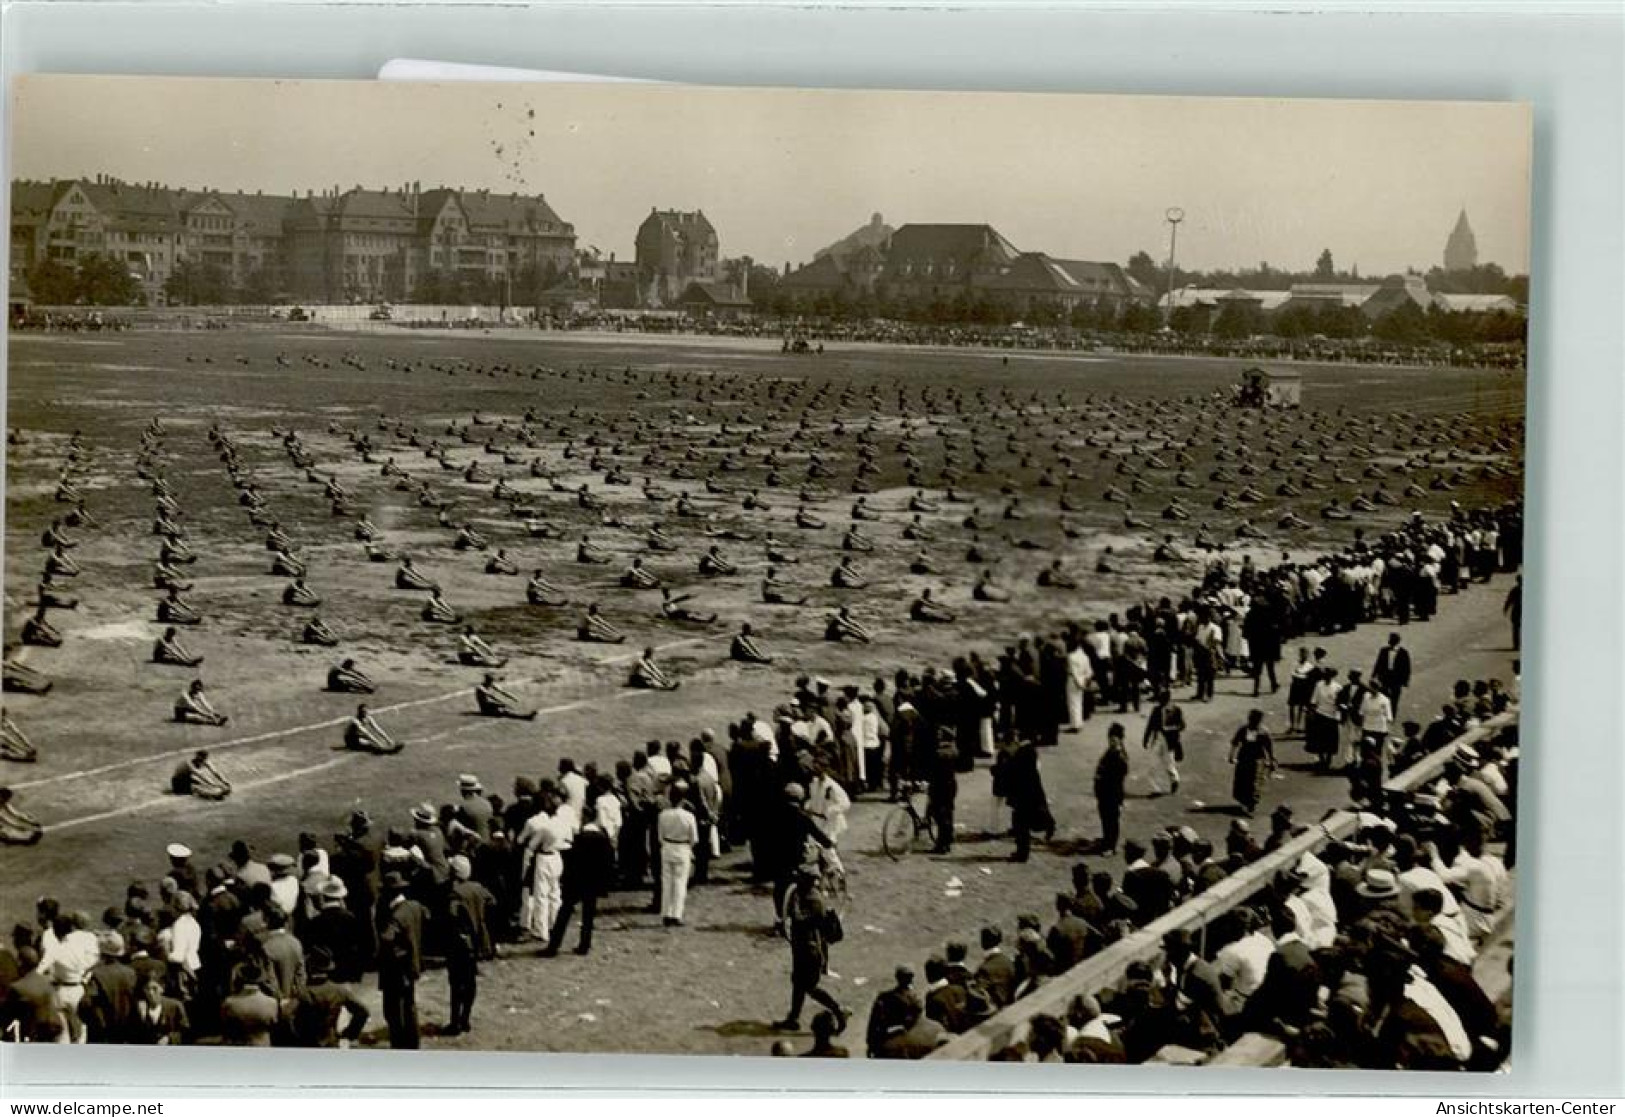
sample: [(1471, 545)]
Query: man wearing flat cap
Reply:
[(468, 941), (108, 1007)]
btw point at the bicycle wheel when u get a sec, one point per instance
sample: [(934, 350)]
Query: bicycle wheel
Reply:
[(925, 836), (897, 833)]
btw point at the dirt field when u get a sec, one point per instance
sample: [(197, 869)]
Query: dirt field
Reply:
[(107, 744)]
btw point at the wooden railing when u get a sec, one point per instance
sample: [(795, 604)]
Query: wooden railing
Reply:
[(1106, 969)]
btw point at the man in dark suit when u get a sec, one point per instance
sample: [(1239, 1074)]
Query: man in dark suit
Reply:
[(1392, 671), (335, 931), (159, 1020), (914, 1037), (468, 941), (997, 973), (1151, 889), (284, 955), (892, 1011), (1195, 995), (31, 1005), (315, 1014), (108, 1006), (1291, 985), (1455, 982), (474, 809), (1111, 780), (977, 1007), (589, 872), (400, 959), (1070, 940)]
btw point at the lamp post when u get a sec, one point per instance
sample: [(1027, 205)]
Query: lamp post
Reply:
[(1174, 215)]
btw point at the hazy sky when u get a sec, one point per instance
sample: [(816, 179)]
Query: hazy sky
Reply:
[(781, 173)]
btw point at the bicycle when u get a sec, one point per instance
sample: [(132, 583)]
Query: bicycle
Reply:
[(908, 825)]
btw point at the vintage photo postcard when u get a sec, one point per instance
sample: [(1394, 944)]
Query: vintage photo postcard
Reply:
[(865, 575)]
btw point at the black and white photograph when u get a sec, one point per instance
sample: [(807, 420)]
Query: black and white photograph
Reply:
[(676, 570)]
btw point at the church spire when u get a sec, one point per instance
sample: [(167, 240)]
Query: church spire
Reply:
[(1461, 249)]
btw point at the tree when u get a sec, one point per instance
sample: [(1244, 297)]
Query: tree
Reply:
[(195, 283), (1189, 320), (53, 283), (1238, 319), (1406, 324), (1143, 268), (1138, 318), (1324, 268), (104, 281)]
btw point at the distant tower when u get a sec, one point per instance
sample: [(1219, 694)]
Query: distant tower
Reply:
[(1461, 250)]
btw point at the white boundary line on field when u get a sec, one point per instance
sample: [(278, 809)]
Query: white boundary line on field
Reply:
[(275, 734), (135, 808)]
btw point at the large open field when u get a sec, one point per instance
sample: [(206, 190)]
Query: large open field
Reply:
[(106, 740)]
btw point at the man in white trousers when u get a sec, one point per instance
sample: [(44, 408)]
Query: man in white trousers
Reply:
[(678, 833), (1078, 674)]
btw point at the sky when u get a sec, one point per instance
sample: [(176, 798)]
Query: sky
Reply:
[(782, 173)]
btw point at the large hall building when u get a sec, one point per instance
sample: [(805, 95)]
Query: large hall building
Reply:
[(929, 262), (333, 246)]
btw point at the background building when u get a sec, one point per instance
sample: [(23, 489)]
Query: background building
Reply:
[(674, 249), (1461, 249), (356, 245)]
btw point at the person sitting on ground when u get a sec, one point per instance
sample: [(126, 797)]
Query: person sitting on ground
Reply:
[(23, 679), (17, 826), (173, 610), (745, 649), (778, 553), (298, 594), (986, 590), (362, 732), (806, 520), (500, 563), (39, 632), (1106, 564), (347, 678), (475, 652), (921, 564), (673, 609), (50, 597), (843, 626), (170, 652), (649, 675), (317, 634), (437, 611), (495, 702), (637, 577), (540, 591), (284, 565), (166, 577), (365, 530), (276, 539), (194, 708), (928, 610), (1055, 577), (775, 591), (846, 576), (1167, 551), (713, 565), (199, 777), (470, 540), (589, 553), (855, 540), (409, 577), (594, 629), (14, 743)]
